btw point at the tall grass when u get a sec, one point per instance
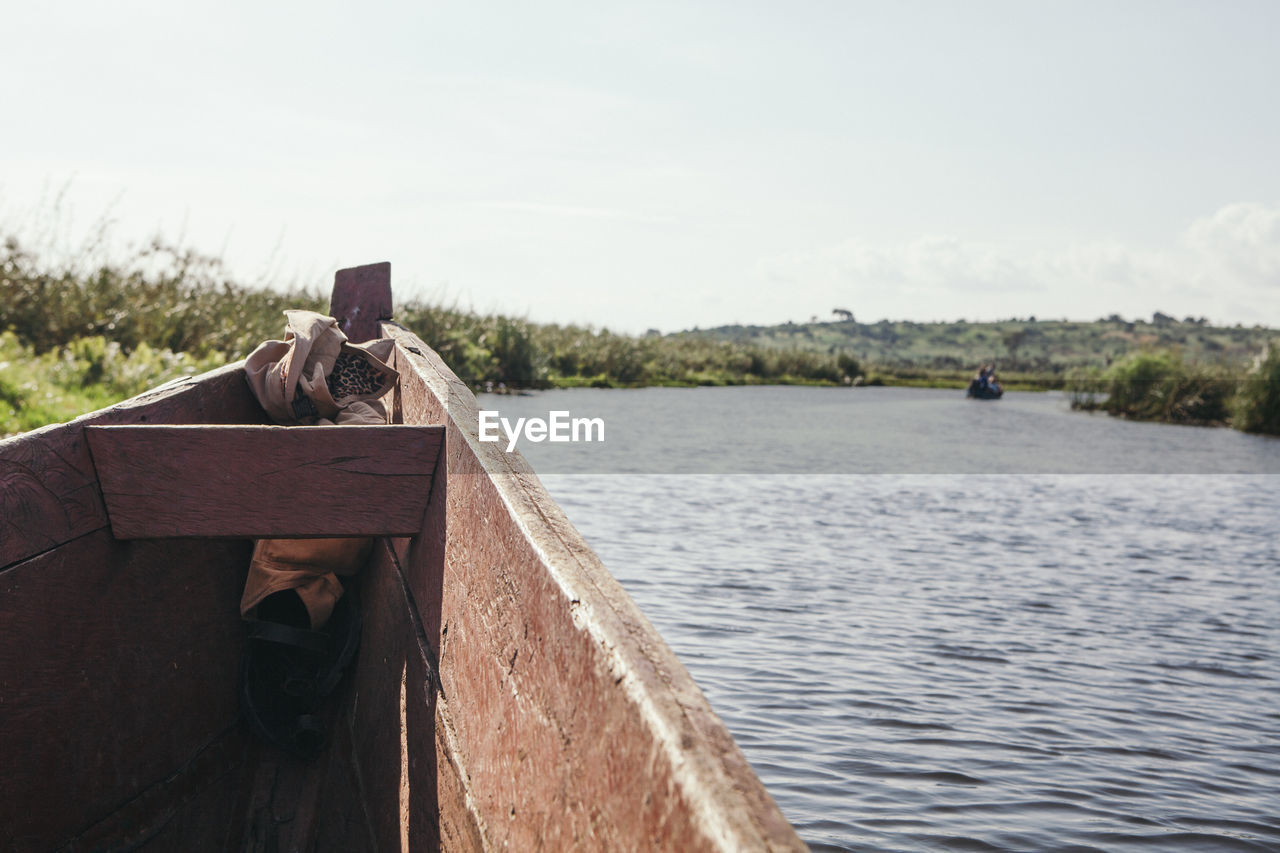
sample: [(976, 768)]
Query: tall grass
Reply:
[(78, 337), (165, 297), (492, 350), (1257, 405)]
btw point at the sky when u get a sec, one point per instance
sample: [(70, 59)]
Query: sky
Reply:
[(671, 165)]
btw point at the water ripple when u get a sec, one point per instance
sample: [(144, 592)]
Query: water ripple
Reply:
[(970, 662)]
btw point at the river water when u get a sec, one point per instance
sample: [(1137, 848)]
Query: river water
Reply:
[(941, 624)]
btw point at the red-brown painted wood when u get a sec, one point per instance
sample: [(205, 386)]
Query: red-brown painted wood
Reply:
[(264, 481), (570, 719), (361, 300), (48, 487), (391, 716), (558, 718), (117, 667), (291, 804), (194, 810)]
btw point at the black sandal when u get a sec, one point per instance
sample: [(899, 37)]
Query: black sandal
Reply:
[(343, 631), (286, 671)]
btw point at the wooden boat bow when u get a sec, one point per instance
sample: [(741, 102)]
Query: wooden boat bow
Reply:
[(508, 692)]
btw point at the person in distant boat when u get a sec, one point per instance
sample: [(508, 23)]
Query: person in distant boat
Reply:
[(984, 384)]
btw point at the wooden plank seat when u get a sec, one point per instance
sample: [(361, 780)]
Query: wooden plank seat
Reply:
[(226, 481)]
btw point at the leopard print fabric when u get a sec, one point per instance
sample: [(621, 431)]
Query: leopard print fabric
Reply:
[(353, 376)]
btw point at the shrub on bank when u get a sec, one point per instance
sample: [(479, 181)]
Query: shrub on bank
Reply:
[(1159, 386), (1257, 404), (87, 374)]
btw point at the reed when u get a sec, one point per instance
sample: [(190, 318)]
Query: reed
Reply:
[(163, 296), (1256, 407)]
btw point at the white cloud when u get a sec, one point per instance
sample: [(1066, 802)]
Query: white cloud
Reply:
[(1225, 266), (931, 263), (572, 211), (1240, 242)]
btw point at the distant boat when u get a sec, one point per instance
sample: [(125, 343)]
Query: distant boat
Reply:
[(979, 391)]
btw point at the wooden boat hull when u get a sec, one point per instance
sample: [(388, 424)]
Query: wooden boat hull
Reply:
[(507, 694)]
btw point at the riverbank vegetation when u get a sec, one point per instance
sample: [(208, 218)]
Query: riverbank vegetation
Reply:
[(1256, 407), (1156, 385), (78, 336), (85, 374), (1162, 385), (491, 351)]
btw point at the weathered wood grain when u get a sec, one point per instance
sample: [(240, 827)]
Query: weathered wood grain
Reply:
[(48, 487), (194, 810), (361, 300), (572, 722), (420, 564), (264, 481), (117, 667), (393, 725), (292, 804)]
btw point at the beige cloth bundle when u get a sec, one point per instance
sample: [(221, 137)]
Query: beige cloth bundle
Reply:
[(315, 376)]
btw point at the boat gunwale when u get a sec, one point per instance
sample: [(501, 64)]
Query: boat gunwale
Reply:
[(735, 811)]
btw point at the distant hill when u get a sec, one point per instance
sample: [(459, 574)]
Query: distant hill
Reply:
[(1027, 345)]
